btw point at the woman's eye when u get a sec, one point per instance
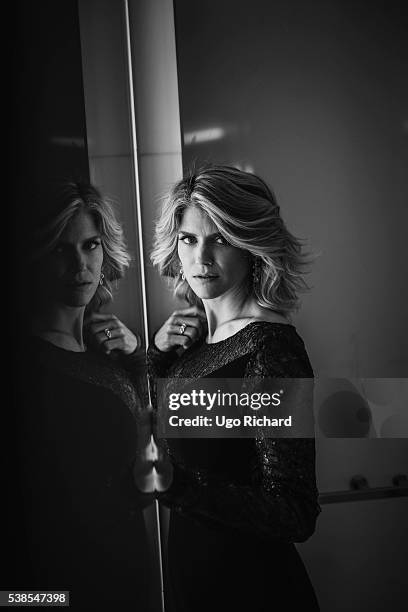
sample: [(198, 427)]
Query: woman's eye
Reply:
[(92, 244), (187, 239), (221, 240)]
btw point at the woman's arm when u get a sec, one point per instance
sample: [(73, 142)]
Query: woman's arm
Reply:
[(273, 506), (159, 362), (180, 331)]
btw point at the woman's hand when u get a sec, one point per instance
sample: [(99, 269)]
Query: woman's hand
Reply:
[(182, 328), (109, 333), (152, 470)]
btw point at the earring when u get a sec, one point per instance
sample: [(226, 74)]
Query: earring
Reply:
[(183, 278), (101, 279), (256, 270)]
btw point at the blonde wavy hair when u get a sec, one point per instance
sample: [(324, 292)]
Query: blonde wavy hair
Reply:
[(246, 213), (74, 197)]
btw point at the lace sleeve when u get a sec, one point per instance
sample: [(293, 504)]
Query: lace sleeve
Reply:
[(135, 366), (280, 502), (159, 362)]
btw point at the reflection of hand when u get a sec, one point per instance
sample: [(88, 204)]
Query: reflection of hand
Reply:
[(109, 333), (152, 470), (182, 328), (151, 473)]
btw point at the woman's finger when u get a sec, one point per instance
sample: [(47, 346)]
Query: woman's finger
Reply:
[(99, 316), (112, 344), (183, 319), (180, 340), (107, 334), (190, 311), (111, 324), (188, 321), (189, 331)]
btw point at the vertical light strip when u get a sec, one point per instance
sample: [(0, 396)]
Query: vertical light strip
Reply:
[(156, 503), (141, 254), (138, 208)]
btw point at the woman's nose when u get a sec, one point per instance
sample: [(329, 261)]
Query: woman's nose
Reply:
[(79, 260), (204, 255)]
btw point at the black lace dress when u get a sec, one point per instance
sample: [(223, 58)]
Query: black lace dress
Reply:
[(238, 505), (78, 523)]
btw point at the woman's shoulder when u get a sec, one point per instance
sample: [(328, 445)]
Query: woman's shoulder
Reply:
[(272, 336), (279, 345), (261, 331)]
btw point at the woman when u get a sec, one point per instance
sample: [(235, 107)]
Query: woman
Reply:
[(79, 402), (237, 505)]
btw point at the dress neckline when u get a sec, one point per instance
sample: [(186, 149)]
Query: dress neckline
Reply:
[(50, 345), (246, 327)]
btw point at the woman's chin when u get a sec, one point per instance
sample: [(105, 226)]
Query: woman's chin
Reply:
[(208, 296), (78, 297), (206, 289), (75, 301)]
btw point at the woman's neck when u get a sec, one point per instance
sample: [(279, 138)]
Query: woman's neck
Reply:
[(229, 313), (226, 312), (62, 326)]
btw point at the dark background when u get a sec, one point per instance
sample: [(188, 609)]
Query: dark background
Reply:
[(46, 142)]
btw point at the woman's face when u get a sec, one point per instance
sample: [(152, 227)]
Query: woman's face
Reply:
[(73, 270), (212, 266)]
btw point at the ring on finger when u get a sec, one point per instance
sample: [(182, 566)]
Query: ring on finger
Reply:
[(182, 328), (107, 333)]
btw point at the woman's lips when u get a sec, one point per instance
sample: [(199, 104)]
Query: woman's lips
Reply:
[(75, 283), (205, 278), (79, 286)]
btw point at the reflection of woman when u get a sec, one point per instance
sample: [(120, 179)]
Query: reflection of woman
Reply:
[(77, 419), (237, 505)]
